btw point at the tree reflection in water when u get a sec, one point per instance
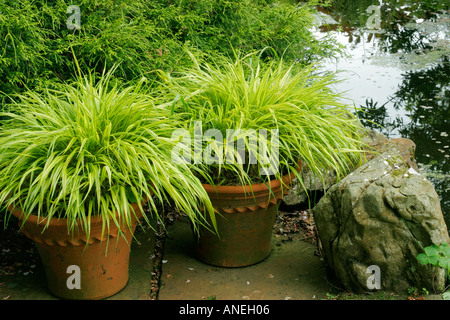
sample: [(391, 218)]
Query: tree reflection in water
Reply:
[(424, 93)]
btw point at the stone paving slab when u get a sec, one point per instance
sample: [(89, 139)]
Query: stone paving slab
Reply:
[(291, 272)]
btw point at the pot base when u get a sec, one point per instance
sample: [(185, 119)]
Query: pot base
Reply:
[(78, 267), (85, 273), (245, 217), (245, 239)]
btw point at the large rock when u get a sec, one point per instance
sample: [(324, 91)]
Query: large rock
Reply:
[(297, 193), (377, 143), (383, 214)]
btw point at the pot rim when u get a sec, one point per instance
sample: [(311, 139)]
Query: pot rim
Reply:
[(59, 221), (252, 188)]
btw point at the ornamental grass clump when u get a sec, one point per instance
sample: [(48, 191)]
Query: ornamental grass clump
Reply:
[(92, 149), (302, 117)]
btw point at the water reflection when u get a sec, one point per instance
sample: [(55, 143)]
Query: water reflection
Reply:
[(400, 76), (425, 94), (393, 34)]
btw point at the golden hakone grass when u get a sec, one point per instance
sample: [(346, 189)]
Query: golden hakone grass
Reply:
[(91, 149)]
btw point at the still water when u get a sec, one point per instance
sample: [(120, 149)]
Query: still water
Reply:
[(398, 68)]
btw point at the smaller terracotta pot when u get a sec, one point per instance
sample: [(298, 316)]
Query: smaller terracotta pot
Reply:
[(102, 260), (245, 218)]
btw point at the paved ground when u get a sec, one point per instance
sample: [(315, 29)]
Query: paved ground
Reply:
[(292, 271)]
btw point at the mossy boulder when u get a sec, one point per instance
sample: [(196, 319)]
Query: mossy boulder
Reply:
[(382, 214)]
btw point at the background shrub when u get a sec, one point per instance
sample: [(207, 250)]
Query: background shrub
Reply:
[(143, 36)]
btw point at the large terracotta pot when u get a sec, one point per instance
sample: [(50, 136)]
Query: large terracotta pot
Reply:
[(245, 219), (102, 261)]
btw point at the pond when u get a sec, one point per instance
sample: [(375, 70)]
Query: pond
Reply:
[(398, 70)]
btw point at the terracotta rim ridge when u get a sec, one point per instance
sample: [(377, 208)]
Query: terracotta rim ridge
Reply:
[(57, 221), (254, 188)]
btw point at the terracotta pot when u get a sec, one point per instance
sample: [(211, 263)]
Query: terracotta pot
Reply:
[(102, 261), (244, 220)]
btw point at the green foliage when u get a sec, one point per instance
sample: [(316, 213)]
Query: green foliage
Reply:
[(414, 292), (436, 256), (142, 36), (252, 25), (446, 295), (248, 94), (93, 149)]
